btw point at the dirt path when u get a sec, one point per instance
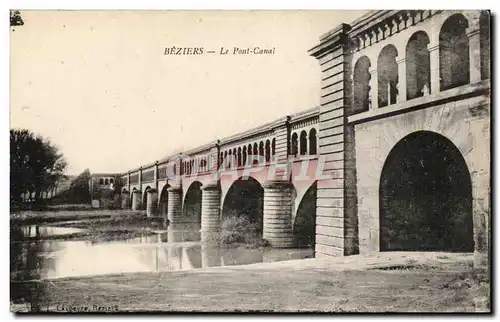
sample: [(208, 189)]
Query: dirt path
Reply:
[(407, 282)]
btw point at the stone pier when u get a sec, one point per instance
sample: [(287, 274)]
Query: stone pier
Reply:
[(278, 214)]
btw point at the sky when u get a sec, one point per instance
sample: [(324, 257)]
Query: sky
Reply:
[(98, 85)]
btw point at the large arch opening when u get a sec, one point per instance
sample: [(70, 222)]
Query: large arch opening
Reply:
[(454, 66), (132, 197), (425, 196), (244, 201), (418, 68), (304, 227), (163, 201), (191, 211), (361, 80), (387, 71), (145, 198), (484, 25)]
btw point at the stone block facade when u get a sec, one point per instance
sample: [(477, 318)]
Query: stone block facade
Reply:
[(386, 78)]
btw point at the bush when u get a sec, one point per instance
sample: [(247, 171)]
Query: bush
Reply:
[(241, 230)]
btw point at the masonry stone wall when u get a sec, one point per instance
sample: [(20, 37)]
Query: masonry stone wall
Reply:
[(464, 122)]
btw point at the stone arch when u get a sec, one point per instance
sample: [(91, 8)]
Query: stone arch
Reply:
[(268, 150), (303, 142), (144, 199), (304, 226), (484, 27), (191, 207), (425, 196), (244, 161), (101, 181), (418, 66), (134, 190), (250, 153), (239, 159), (256, 153), (387, 73), (313, 142), (454, 65), (294, 144), (106, 181), (245, 197), (163, 200), (361, 79)]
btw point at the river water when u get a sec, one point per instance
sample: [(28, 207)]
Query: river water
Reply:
[(35, 258)]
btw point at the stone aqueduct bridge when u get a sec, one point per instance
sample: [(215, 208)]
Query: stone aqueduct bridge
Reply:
[(401, 139)]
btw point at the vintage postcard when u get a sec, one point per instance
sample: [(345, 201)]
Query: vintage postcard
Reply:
[(250, 161)]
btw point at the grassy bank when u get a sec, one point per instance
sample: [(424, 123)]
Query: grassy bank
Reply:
[(305, 285), (89, 215), (99, 225)]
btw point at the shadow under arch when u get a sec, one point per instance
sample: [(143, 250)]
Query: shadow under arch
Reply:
[(245, 197), (163, 200), (191, 208), (425, 196), (132, 196), (145, 198), (304, 226)]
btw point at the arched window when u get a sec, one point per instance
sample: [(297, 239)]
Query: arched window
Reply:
[(111, 180), (244, 154), (361, 96), (239, 157), (255, 152), (268, 151), (454, 66), (303, 143), (203, 163), (295, 144), (250, 153), (221, 160), (106, 181), (273, 147), (101, 181), (418, 68), (387, 71), (484, 32), (261, 148), (313, 142), (229, 155)]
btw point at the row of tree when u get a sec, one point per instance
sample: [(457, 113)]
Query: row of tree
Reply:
[(35, 164)]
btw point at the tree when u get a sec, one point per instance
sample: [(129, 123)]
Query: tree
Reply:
[(15, 18), (35, 164)]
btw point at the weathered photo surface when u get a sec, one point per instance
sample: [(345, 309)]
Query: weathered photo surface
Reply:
[(263, 161)]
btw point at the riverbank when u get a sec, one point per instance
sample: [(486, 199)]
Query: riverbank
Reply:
[(384, 282), (99, 225)]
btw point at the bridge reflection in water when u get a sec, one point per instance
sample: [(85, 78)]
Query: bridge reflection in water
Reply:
[(149, 253)]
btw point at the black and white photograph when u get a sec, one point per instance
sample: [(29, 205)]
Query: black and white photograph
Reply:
[(250, 161)]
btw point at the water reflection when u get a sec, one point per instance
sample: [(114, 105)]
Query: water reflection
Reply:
[(46, 259), (44, 231)]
